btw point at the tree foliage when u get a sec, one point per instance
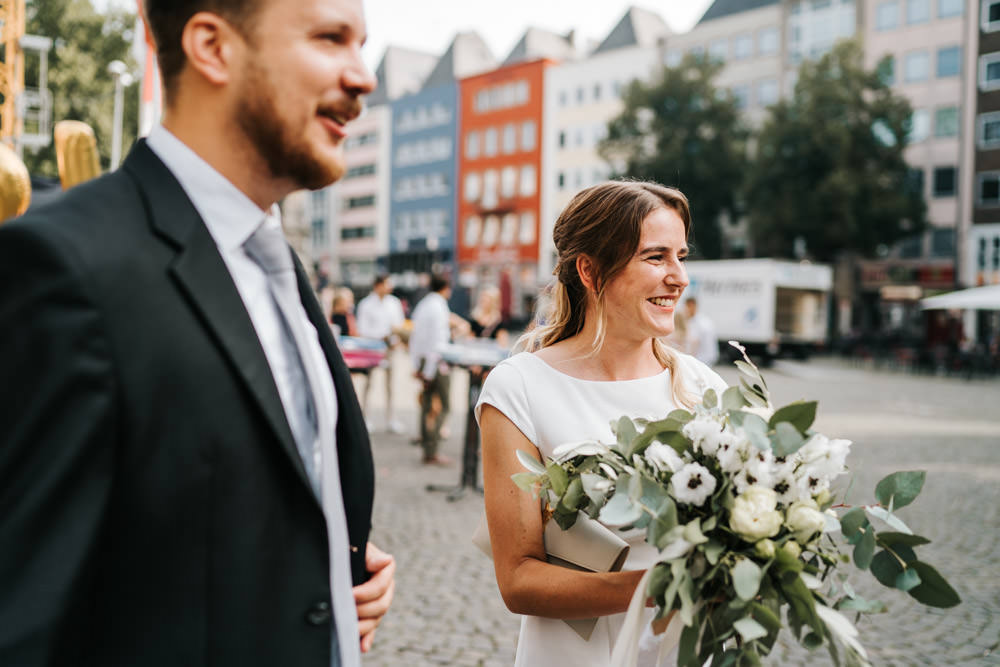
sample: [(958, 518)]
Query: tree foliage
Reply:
[(830, 168), (682, 131), (85, 42)]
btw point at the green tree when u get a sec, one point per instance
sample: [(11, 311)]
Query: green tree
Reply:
[(85, 42), (829, 168), (681, 130)]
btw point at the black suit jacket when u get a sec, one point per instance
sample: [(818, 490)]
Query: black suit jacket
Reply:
[(153, 506)]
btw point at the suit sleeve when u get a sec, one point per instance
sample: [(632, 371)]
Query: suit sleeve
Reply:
[(57, 431)]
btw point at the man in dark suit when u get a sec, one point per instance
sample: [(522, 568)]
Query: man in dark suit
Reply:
[(185, 473)]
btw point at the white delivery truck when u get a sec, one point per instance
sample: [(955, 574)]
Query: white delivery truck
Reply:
[(773, 307)]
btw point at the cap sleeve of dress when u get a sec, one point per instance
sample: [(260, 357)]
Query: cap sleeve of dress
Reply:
[(506, 390)]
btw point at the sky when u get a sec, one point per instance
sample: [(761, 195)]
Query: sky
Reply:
[(430, 25)]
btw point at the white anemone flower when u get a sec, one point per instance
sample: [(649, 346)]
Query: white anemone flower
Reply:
[(704, 432), (811, 483), (692, 484), (730, 456), (787, 488), (826, 457)]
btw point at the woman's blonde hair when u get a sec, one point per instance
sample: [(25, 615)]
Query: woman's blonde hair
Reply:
[(603, 223)]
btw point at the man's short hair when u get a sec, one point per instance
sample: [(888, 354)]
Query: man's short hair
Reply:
[(380, 279), (439, 282), (167, 19)]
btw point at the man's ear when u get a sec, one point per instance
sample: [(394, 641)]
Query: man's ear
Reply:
[(212, 47), (585, 269)]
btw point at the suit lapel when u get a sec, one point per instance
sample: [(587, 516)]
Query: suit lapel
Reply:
[(201, 274)]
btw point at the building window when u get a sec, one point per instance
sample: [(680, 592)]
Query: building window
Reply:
[(943, 243), (918, 11), (767, 41), (508, 182), (887, 15), (491, 229), (490, 182), (472, 190), (563, 98), (597, 91), (949, 8), (742, 46), (718, 50), (673, 58), (920, 126), (767, 92), (350, 233), (528, 135), (360, 202), (361, 140), (741, 95), (580, 94), (527, 186), (989, 71), (360, 170), (561, 180), (911, 247), (473, 227), (490, 142), (916, 66), (988, 130), (472, 145), (989, 15), (946, 122), (509, 138), (988, 188), (949, 61), (945, 179), (526, 236), (508, 229)]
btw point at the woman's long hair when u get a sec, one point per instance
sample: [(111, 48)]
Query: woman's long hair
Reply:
[(604, 223)]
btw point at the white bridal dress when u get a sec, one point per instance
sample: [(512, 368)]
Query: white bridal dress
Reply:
[(551, 408)]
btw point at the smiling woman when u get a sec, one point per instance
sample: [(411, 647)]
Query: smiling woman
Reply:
[(620, 272)]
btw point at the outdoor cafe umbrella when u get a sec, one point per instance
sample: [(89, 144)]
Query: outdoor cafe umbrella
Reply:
[(974, 298)]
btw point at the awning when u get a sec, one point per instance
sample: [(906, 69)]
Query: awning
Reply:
[(975, 298)]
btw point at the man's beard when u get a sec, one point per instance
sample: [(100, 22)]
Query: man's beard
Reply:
[(286, 153)]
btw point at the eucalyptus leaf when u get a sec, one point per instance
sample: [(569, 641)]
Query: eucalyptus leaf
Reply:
[(732, 399), (658, 580), (750, 629), (662, 523), (746, 578), (692, 532), (558, 478), (900, 488), (812, 641), (756, 429), (801, 600), (713, 549), (710, 399), (574, 494), (683, 416), (886, 568), (890, 519), (888, 538), (766, 617), (864, 550), (525, 480), (620, 511), (687, 647), (686, 594), (753, 395), (787, 440), (530, 462), (625, 432), (853, 523), (933, 590), (907, 579), (800, 414), (748, 370)]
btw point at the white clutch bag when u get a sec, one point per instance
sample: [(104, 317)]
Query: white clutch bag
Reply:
[(588, 546)]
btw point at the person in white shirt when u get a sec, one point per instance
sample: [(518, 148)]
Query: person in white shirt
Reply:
[(380, 315), (432, 330), (701, 341)]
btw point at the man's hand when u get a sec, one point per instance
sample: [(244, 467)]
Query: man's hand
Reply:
[(375, 595)]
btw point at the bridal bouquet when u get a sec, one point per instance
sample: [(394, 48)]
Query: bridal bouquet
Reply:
[(737, 497)]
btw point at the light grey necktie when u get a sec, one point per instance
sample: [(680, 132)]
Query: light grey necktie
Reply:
[(313, 426), (267, 247)]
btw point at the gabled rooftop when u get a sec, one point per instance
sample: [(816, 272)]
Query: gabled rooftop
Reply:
[(467, 55), (638, 27), (721, 8), (537, 43), (401, 71)]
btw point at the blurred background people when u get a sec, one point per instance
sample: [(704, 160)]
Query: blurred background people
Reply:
[(342, 316), (700, 340), (380, 316), (431, 331), (486, 319)]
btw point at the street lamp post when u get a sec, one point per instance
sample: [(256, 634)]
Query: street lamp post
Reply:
[(123, 79)]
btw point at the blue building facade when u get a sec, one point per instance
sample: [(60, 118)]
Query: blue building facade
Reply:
[(424, 178)]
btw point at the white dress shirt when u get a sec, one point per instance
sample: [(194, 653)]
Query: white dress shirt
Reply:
[(377, 316), (431, 331), (231, 217)]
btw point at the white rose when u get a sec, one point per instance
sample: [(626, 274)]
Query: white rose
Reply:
[(663, 457), (754, 516), (804, 519)]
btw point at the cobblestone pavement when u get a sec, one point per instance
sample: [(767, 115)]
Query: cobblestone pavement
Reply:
[(447, 609)]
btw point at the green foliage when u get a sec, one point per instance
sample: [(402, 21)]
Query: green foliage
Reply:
[(933, 590), (681, 130), (900, 488), (85, 42), (823, 174), (800, 414)]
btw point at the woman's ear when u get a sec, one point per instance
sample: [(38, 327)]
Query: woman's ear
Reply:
[(585, 269)]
